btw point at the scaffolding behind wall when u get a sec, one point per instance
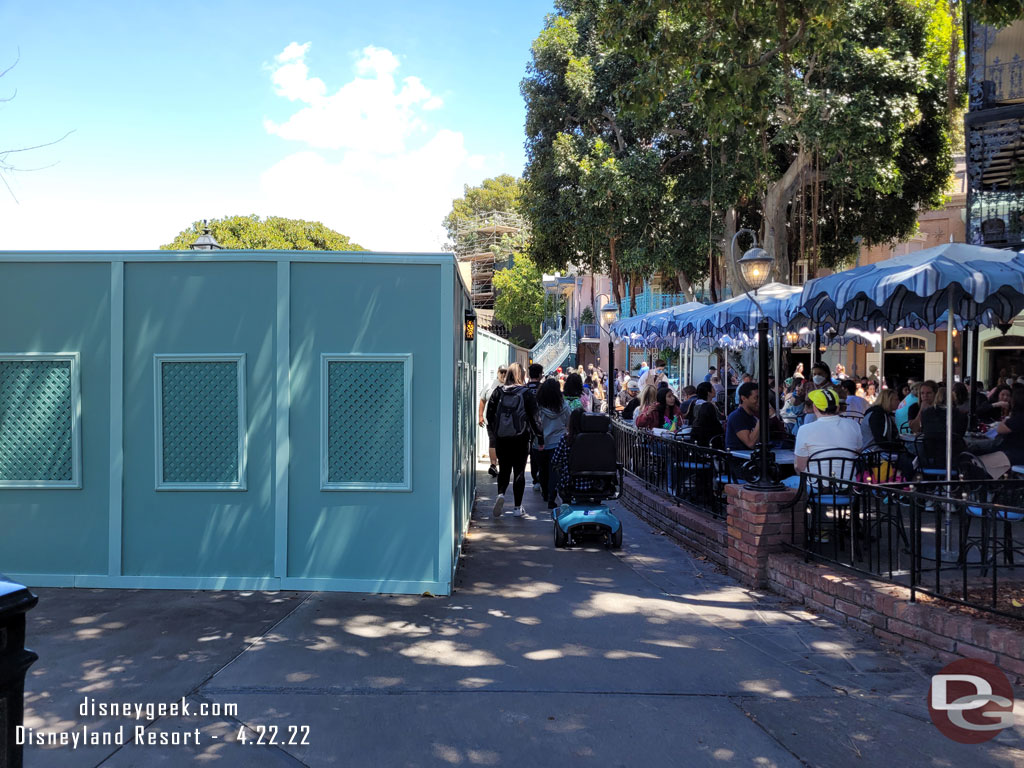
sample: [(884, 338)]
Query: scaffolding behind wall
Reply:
[(482, 242)]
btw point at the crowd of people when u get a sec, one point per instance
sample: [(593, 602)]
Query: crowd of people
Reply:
[(530, 417)]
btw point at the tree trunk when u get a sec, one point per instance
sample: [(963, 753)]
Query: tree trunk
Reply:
[(685, 286), (613, 271), (776, 213), (729, 276)]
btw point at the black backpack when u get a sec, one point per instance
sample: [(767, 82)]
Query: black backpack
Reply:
[(511, 413)]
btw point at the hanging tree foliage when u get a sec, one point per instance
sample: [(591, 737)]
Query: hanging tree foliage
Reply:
[(655, 129)]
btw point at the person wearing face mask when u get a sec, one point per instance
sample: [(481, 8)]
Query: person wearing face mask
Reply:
[(821, 376)]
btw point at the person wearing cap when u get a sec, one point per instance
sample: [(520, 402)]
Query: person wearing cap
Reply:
[(632, 392), (827, 432)]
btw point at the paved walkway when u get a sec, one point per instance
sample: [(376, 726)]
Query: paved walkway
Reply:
[(542, 657)]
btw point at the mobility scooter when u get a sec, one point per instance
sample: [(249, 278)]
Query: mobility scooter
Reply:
[(594, 476)]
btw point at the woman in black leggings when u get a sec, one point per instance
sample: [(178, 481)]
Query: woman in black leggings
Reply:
[(511, 420)]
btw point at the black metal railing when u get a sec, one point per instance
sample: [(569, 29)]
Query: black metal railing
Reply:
[(950, 540), (679, 470)]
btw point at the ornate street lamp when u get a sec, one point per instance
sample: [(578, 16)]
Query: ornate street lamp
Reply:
[(755, 267), (609, 314)]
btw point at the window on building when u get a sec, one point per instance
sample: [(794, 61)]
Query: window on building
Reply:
[(905, 344), (366, 448), (200, 422), (800, 272), (40, 443)]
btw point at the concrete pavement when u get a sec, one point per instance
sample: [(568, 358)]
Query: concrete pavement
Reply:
[(541, 657)]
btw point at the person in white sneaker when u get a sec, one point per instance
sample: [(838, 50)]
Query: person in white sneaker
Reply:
[(512, 420)]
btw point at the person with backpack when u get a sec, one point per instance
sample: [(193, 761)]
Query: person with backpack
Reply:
[(512, 421)]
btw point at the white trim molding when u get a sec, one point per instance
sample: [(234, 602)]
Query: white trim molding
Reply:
[(406, 484), (158, 453), (75, 482)]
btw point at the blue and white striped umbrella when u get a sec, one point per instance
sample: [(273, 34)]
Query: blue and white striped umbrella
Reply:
[(985, 285), (656, 328), (742, 313)]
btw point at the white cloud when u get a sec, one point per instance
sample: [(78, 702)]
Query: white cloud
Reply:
[(396, 174), (371, 111)]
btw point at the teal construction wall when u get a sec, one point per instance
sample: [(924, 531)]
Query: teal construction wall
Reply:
[(284, 311)]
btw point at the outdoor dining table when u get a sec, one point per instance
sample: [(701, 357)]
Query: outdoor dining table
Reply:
[(784, 456)]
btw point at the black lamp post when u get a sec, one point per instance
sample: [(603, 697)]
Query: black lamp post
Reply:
[(609, 314), (755, 268)]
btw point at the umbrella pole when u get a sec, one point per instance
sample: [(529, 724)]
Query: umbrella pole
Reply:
[(949, 390), (881, 361)]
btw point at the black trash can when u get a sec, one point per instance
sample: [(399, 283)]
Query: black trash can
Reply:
[(15, 659)]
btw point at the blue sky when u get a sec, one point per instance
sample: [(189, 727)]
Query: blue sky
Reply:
[(367, 116)]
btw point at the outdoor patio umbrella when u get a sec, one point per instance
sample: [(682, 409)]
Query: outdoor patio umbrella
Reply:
[(741, 313), (971, 283)]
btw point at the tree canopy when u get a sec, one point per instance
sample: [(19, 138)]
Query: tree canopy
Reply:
[(655, 130), (520, 295), (502, 193), (272, 233)]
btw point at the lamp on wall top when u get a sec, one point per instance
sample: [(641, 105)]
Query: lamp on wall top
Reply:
[(756, 266)]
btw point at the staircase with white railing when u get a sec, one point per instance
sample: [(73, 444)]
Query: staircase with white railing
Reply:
[(554, 348)]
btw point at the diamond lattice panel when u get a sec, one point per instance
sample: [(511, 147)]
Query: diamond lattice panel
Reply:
[(35, 420), (366, 441), (200, 422)]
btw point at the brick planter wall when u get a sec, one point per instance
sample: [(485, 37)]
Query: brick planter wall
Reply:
[(758, 524), (692, 527), (885, 611)]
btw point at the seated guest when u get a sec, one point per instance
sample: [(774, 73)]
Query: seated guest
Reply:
[(855, 404), (1011, 448), (632, 393), (878, 427), (742, 429), (689, 398), (648, 399), (704, 417), (827, 432), (663, 413), (997, 406), (623, 397), (933, 423), (926, 393)]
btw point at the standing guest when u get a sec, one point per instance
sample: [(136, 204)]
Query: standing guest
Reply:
[(597, 393), (704, 417), (821, 375), (511, 419), (871, 393), (633, 393), (827, 432), (712, 371), (878, 427), (654, 375), (664, 412), (855, 405), (742, 429), (574, 393), (554, 419), (535, 372), (485, 395)]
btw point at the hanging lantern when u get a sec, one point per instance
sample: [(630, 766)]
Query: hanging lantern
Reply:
[(469, 325)]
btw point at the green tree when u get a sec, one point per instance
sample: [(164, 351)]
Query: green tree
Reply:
[(834, 118), (502, 193), (998, 13), (272, 233), (520, 294), (603, 185)]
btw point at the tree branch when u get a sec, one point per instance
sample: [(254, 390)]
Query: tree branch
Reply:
[(610, 116), (781, 48)]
